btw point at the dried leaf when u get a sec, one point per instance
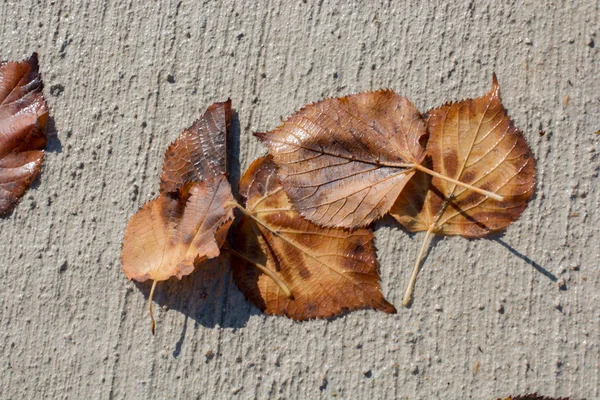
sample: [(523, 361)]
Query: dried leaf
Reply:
[(168, 236), (344, 161), (189, 221), (200, 151), (475, 142), (23, 116), (533, 396), (328, 270)]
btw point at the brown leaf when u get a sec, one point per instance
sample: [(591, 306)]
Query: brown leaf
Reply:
[(533, 396), (168, 235), (23, 116), (344, 161), (475, 142), (328, 270), (200, 151)]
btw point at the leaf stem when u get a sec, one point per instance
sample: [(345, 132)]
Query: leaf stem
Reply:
[(265, 270), (251, 216), (459, 183), (407, 299), (150, 305)]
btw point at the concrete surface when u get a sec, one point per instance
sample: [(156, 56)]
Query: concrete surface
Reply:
[(123, 78)]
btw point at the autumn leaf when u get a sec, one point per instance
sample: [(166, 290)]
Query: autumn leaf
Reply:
[(188, 222), (23, 116), (200, 151), (286, 265), (533, 396), (475, 142), (168, 236), (344, 161)]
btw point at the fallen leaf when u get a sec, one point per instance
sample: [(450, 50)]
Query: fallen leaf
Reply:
[(322, 272), (168, 236), (344, 161), (200, 151), (188, 222), (475, 142), (23, 116), (533, 396)]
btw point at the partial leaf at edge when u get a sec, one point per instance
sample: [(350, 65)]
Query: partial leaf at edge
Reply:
[(23, 117)]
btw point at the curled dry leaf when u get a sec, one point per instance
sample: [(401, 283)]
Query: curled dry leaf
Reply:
[(189, 221), (473, 141), (304, 271), (23, 116), (200, 151), (344, 161), (168, 236)]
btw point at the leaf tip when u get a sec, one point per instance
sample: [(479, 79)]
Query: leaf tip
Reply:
[(495, 91), (388, 308), (33, 60), (262, 136)]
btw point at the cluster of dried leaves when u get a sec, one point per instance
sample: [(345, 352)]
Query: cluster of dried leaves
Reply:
[(23, 116), (303, 243)]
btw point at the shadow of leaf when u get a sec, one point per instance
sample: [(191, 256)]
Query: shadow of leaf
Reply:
[(528, 260)]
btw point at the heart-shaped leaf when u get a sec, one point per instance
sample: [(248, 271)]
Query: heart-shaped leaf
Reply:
[(344, 161), (475, 142), (311, 272)]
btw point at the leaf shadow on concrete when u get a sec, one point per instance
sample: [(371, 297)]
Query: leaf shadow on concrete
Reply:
[(208, 296), (496, 237), (535, 265)]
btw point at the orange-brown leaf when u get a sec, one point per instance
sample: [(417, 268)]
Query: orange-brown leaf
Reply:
[(344, 161), (169, 235), (200, 152), (23, 116), (328, 270), (473, 141)]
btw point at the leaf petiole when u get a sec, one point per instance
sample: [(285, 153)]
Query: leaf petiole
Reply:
[(265, 270), (150, 305), (250, 215), (271, 274), (407, 299)]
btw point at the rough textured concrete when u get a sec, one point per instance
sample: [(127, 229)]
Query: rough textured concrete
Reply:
[(123, 79)]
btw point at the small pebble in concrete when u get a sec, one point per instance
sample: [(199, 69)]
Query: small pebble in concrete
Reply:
[(562, 283), (500, 307)]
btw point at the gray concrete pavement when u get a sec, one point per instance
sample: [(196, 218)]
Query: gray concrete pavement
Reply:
[(123, 78)]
